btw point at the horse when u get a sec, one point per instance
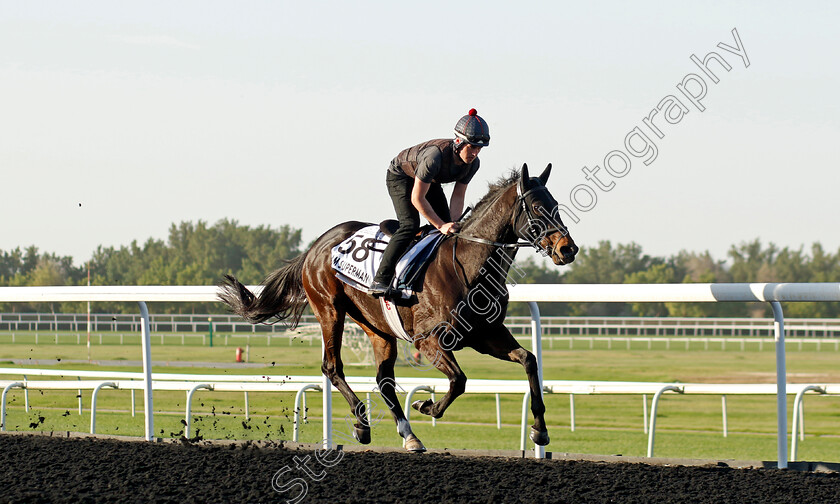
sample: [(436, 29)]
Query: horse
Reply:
[(462, 301)]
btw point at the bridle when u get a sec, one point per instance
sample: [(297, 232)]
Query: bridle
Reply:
[(522, 211)]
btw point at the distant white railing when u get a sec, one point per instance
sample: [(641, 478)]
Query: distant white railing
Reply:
[(165, 324), (774, 293)]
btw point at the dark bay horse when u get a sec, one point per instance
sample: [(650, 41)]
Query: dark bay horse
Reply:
[(462, 302)]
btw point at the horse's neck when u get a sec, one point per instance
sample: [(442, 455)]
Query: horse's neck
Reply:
[(494, 224)]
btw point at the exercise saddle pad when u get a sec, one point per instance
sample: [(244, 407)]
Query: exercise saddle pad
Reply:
[(356, 259)]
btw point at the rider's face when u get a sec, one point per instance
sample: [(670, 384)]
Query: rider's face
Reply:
[(469, 153)]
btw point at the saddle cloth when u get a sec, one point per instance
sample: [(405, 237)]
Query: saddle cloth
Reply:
[(356, 259)]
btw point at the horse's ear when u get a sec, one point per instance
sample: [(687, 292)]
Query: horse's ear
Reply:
[(544, 175), (523, 181)]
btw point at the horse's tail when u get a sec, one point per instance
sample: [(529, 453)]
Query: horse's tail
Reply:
[(282, 296)]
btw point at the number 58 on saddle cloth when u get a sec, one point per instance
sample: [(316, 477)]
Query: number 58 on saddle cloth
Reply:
[(356, 259)]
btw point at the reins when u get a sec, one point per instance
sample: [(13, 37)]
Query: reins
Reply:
[(482, 241), (520, 205), (457, 264), (490, 242)]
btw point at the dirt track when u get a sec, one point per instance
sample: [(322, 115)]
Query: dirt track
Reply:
[(41, 469)]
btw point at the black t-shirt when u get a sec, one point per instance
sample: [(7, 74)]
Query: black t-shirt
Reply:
[(434, 162)]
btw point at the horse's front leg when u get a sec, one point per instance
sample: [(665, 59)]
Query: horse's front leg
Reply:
[(444, 361), (500, 343), (539, 431)]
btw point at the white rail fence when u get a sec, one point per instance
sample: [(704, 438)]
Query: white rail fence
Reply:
[(767, 292), (191, 383)]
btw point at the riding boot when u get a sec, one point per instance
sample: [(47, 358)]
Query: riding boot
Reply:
[(398, 244), (380, 289)]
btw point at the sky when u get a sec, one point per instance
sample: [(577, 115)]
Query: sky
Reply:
[(118, 119)]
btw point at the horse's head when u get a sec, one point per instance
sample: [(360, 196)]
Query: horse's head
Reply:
[(536, 218)]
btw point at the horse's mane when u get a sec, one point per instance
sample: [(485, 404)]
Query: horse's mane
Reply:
[(494, 190)]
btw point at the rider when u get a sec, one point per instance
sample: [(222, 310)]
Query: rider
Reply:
[(414, 181)]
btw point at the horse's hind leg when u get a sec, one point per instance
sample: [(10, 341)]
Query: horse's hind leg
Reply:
[(331, 319), (386, 356), (385, 351), (500, 343)]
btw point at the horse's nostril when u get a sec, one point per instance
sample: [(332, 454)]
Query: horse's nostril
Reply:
[(567, 251)]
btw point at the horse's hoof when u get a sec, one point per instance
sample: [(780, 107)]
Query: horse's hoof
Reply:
[(362, 435), (420, 405), (413, 444), (539, 438)]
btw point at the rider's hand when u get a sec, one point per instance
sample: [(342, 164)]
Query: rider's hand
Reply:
[(450, 227)]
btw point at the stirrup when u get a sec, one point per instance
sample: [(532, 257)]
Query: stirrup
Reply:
[(379, 289)]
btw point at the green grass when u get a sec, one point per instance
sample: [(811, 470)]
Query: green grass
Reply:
[(687, 426)]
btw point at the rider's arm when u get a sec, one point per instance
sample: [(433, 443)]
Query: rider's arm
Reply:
[(456, 201), (418, 199)]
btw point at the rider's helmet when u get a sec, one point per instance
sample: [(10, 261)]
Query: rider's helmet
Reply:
[(473, 130)]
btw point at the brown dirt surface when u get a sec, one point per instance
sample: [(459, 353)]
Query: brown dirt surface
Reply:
[(44, 469)]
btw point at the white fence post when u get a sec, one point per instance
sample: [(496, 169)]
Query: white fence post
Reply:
[(653, 407), (3, 404), (93, 403), (536, 347), (147, 371), (798, 417), (188, 414), (781, 383)]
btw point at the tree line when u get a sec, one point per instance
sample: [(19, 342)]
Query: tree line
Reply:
[(747, 262), (193, 254), (200, 254)]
